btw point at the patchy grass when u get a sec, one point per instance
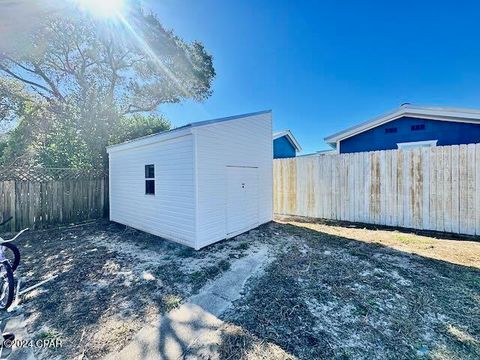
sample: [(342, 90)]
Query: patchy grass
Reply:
[(171, 302), (461, 252), (47, 335), (199, 278), (330, 291), (111, 281), (342, 293), (238, 343)]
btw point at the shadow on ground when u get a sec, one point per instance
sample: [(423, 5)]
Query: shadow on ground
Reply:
[(332, 297), (357, 225), (111, 281), (323, 296)]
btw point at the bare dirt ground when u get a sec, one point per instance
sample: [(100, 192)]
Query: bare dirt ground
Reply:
[(344, 293), (111, 282), (330, 292)]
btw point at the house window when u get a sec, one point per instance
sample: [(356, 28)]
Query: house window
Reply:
[(416, 144), (150, 179), (418, 127), (390, 130)]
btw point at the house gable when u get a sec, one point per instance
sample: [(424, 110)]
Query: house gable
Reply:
[(285, 145), (370, 134), (283, 148), (407, 129)]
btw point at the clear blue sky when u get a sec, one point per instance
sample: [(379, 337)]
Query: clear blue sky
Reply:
[(322, 66)]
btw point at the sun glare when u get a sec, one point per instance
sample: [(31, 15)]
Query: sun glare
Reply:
[(102, 8)]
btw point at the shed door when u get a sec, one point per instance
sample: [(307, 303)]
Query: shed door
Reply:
[(242, 198)]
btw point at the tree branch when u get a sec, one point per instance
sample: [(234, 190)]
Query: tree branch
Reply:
[(18, 64), (5, 69), (132, 109), (44, 76)]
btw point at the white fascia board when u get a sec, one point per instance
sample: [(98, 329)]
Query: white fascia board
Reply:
[(290, 137), (417, 143)]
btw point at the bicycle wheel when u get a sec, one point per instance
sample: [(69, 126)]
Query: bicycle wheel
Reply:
[(12, 254), (7, 286)]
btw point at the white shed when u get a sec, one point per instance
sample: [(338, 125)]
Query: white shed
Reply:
[(197, 184)]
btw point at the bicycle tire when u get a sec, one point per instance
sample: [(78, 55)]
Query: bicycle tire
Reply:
[(7, 288), (16, 255)]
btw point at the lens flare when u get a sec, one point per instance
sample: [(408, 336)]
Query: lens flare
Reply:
[(102, 8)]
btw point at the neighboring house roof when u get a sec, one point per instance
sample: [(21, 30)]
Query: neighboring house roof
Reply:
[(326, 152), (178, 131), (423, 112), (320, 153), (288, 134)]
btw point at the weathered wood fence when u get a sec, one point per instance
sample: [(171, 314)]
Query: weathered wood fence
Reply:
[(435, 188), (39, 198)]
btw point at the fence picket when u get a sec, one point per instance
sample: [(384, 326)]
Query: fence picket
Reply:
[(477, 189), (471, 189), (39, 198), (431, 188), (463, 182)]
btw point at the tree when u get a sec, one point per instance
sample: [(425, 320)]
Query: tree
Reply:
[(61, 146), (91, 76), (139, 125), (17, 108), (13, 102)]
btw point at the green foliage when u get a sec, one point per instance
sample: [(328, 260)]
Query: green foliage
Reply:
[(137, 126), (13, 102), (86, 83), (68, 144), (13, 146), (3, 147)]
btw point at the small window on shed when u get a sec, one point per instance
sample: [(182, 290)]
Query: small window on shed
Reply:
[(390, 130), (150, 179)]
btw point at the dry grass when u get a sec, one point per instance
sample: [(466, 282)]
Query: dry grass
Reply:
[(331, 292), (238, 343), (461, 252), (111, 282), (340, 293)]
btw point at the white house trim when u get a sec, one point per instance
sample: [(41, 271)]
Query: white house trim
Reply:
[(430, 113), (290, 138), (426, 143)]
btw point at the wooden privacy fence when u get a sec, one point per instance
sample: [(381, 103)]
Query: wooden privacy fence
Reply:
[(39, 197), (436, 188)]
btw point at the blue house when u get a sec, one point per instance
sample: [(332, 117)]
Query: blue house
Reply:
[(410, 126), (285, 145)]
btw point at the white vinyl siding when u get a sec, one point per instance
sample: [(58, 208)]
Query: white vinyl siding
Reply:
[(243, 142), (191, 203), (170, 213)]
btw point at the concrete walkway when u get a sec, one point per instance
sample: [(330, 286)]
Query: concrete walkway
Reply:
[(192, 330)]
